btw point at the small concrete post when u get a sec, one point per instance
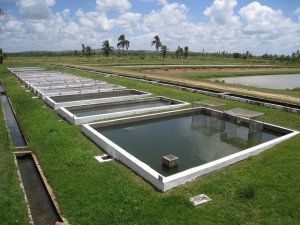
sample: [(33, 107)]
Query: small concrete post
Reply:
[(170, 161)]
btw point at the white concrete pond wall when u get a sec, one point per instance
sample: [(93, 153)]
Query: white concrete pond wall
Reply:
[(73, 119), (165, 183)]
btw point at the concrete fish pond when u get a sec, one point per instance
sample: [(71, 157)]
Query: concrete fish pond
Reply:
[(93, 98), (51, 83), (71, 84), (43, 93), (92, 112), (168, 148), (201, 141)]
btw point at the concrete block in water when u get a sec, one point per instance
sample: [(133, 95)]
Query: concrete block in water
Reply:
[(170, 161)]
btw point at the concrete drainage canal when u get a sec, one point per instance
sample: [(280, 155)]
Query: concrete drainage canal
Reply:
[(16, 134), (1, 89), (42, 208)]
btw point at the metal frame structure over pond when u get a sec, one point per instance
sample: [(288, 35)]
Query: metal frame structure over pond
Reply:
[(165, 183)]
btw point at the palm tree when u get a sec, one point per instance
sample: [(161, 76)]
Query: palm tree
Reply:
[(163, 51), (123, 43), (247, 54), (88, 52), (83, 49), (106, 48), (127, 45), (179, 52), (157, 43), (186, 51)]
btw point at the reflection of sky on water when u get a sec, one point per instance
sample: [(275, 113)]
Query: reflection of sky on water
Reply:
[(101, 110), (196, 140), (288, 81)]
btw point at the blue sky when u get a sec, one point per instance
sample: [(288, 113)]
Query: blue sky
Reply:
[(261, 26)]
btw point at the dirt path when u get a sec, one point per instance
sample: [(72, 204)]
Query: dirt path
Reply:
[(204, 70), (230, 89)]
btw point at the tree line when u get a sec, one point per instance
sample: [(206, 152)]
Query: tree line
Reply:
[(161, 50), (123, 44)]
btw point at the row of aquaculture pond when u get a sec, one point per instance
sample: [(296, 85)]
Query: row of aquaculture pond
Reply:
[(167, 148), (81, 100)]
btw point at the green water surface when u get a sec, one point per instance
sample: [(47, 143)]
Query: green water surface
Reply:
[(196, 139)]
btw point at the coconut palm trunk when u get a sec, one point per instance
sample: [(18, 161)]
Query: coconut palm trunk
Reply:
[(157, 43)]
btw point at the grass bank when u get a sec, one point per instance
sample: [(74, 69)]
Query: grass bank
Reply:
[(12, 203), (261, 190)]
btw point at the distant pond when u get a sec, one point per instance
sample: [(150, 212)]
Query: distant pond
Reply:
[(283, 81)]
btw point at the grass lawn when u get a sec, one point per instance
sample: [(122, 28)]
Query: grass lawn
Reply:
[(261, 190)]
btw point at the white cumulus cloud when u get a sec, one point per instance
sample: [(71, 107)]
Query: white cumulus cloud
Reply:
[(170, 16), (254, 27), (221, 12), (128, 21), (297, 12), (119, 5), (35, 9), (260, 19)]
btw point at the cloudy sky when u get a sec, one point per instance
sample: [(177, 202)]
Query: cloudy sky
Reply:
[(262, 26)]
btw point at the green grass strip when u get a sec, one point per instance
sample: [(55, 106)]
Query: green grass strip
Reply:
[(13, 209)]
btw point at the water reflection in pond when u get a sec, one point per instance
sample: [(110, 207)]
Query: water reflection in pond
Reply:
[(284, 81), (196, 139)]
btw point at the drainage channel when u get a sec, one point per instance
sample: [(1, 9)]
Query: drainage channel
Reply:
[(16, 134), (236, 97), (2, 91), (42, 208)]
